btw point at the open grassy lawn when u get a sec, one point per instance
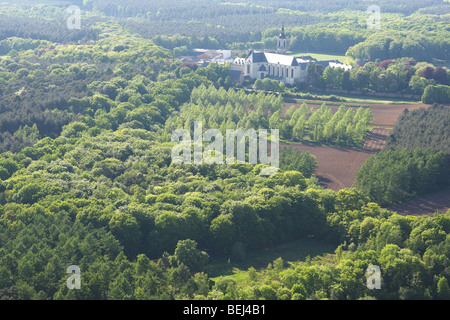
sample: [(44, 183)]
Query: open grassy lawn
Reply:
[(380, 100), (356, 99), (319, 56), (294, 251)]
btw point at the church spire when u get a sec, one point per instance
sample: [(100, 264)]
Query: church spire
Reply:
[(282, 35), (282, 43)]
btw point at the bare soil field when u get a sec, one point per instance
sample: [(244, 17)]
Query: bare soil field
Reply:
[(426, 205), (337, 167), (386, 115), (377, 139)]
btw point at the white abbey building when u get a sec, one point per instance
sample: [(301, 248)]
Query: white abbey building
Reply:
[(287, 69), (279, 66)]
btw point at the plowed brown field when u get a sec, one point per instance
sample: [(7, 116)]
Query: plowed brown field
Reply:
[(337, 167), (377, 139), (427, 205)]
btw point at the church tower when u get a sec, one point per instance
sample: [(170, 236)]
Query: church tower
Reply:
[(282, 43)]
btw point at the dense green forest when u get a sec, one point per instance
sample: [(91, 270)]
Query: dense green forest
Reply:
[(415, 160), (394, 176), (409, 250), (425, 128), (87, 178), (389, 60), (415, 29), (402, 75)]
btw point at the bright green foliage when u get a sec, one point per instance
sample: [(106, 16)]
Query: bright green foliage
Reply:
[(187, 253), (425, 128), (87, 177), (394, 176), (436, 94), (405, 272)]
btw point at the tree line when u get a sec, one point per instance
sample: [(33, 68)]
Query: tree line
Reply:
[(345, 126), (252, 25), (395, 176), (424, 128), (403, 75), (230, 109)]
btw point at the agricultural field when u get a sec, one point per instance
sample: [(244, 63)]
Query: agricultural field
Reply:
[(338, 166), (376, 139), (386, 115), (98, 96), (426, 205)]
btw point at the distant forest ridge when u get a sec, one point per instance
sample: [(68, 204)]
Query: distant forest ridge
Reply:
[(228, 7), (415, 29)]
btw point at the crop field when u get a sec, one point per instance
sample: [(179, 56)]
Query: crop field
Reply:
[(426, 205), (386, 115), (337, 167), (376, 139)]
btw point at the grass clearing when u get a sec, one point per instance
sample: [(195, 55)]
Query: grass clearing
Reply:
[(361, 99), (319, 56), (292, 252)]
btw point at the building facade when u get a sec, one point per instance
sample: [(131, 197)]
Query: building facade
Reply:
[(282, 43), (276, 66), (279, 66)]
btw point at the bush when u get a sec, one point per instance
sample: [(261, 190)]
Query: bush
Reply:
[(187, 253), (167, 198), (436, 94)]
